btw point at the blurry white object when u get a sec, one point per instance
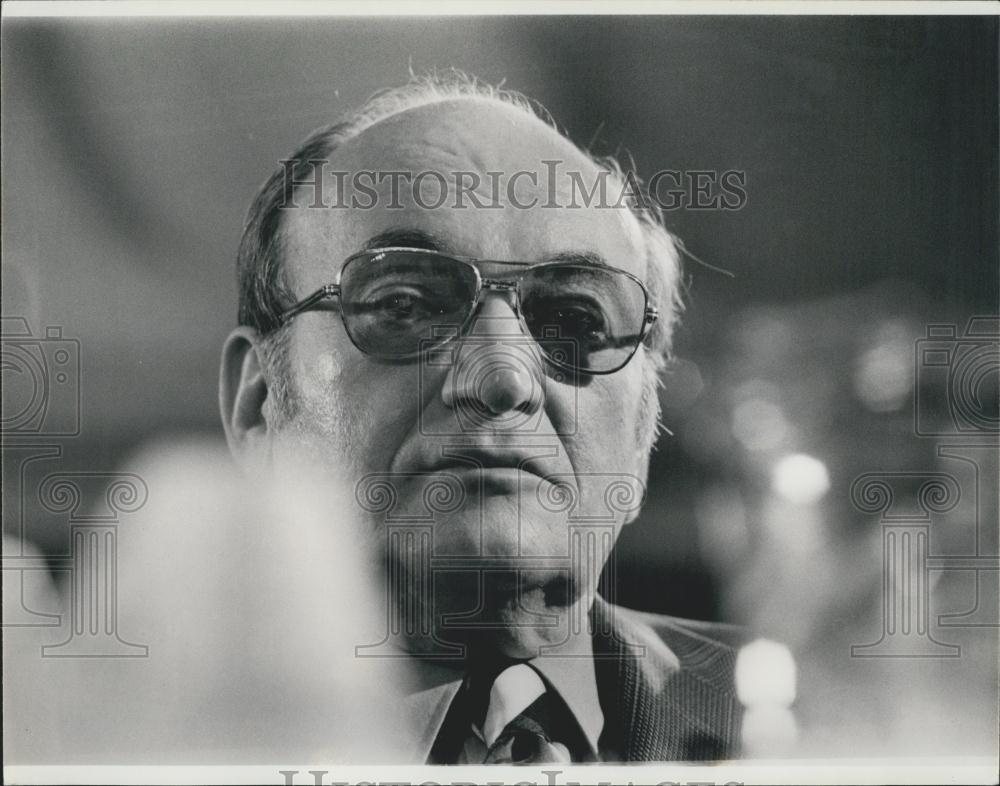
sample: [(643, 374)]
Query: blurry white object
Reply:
[(765, 685), (251, 598), (31, 697), (800, 479), (769, 732)]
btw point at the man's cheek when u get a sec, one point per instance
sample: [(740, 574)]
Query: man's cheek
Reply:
[(321, 402), (320, 377), (360, 410), (608, 415)]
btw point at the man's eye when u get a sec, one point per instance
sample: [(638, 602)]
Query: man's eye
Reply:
[(400, 305), (581, 321)]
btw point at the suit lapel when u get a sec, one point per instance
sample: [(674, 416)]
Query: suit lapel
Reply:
[(666, 692)]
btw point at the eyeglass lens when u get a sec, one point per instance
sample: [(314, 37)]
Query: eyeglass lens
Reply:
[(398, 303)]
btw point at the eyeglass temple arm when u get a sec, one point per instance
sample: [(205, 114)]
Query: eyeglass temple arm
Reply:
[(325, 292), (652, 314), (632, 339)]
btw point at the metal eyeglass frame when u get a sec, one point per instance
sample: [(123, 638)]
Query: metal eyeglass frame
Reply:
[(328, 292)]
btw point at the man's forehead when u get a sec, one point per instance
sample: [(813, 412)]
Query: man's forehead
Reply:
[(475, 133), (467, 136)]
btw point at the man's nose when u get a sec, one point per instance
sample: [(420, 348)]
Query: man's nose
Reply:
[(496, 372)]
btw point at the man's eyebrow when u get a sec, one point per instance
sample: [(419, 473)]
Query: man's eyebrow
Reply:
[(580, 257), (405, 238)]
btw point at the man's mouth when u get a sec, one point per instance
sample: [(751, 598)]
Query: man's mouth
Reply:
[(491, 465)]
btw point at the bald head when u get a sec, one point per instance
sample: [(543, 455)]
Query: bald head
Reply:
[(473, 133)]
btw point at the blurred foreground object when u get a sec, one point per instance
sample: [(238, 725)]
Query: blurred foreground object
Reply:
[(844, 519), (765, 684), (241, 604)]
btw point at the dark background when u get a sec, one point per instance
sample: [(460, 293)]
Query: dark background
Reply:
[(132, 148)]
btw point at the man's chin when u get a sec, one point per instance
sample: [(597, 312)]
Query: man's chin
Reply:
[(512, 614), (527, 625)]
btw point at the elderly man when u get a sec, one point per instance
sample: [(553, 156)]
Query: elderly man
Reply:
[(447, 304)]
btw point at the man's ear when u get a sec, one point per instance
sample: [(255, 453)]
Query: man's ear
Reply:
[(242, 393)]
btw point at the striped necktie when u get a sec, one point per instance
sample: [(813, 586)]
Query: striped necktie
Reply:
[(514, 728)]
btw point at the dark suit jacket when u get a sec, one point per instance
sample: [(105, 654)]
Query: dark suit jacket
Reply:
[(666, 686)]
